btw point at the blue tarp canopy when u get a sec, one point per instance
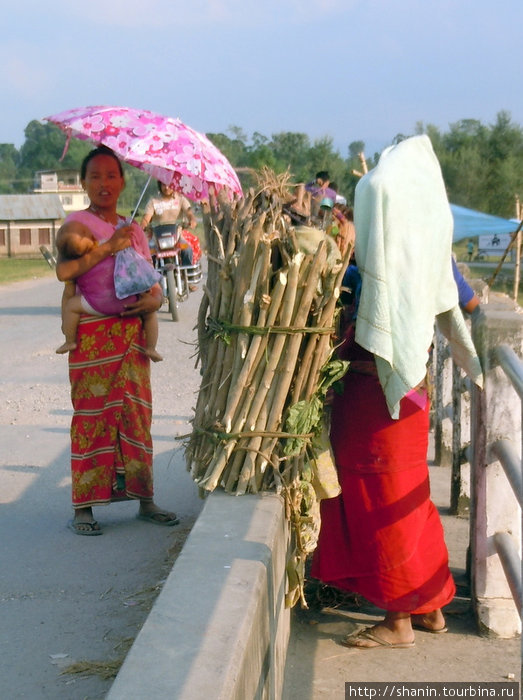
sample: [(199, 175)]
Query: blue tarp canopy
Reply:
[(469, 223)]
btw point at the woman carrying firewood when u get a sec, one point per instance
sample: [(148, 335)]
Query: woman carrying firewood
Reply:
[(382, 537)]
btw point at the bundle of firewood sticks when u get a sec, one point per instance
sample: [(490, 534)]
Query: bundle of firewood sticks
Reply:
[(265, 334)]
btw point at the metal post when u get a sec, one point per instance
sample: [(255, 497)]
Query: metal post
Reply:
[(455, 483), (438, 397), (518, 263)]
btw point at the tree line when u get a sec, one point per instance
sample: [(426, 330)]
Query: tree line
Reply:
[(482, 164)]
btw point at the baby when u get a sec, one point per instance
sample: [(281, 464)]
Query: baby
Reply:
[(76, 243)]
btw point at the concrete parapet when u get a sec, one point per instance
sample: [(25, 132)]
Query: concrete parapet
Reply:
[(496, 414), (219, 629)]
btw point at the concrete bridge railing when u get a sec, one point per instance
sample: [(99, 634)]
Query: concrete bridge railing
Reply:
[(219, 628), (479, 433)]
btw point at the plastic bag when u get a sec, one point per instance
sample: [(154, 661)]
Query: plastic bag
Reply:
[(133, 274)]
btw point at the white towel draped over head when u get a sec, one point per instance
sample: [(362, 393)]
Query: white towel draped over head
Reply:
[(404, 231)]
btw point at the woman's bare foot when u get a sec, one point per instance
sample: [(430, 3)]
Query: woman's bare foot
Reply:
[(152, 513), (152, 354), (394, 632), (84, 523), (66, 347), (432, 622)]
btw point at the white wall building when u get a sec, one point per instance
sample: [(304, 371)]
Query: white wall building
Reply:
[(66, 184)]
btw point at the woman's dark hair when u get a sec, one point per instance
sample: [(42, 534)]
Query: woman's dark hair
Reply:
[(162, 184), (348, 212), (99, 151)]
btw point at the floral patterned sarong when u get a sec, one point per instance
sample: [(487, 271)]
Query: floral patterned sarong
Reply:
[(111, 446)]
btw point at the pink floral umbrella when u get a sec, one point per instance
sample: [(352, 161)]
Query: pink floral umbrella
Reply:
[(164, 147)]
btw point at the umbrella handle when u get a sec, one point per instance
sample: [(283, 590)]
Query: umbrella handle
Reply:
[(129, 221)]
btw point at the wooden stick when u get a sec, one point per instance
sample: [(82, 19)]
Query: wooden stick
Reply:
[(255, 354), (286, 373)]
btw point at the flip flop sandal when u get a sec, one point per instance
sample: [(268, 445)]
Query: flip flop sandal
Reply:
[(379, 643), (159, 517), (92, 528), (441, 630)]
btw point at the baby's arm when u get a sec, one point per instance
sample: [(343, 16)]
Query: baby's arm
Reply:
[(69, 291), (71, 269)]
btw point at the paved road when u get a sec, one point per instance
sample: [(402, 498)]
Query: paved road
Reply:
[(64, 598)]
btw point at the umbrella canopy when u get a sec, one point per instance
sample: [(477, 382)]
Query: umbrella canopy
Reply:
[(468, 222), (164, 147)]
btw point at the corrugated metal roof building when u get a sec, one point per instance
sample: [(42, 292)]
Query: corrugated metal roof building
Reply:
[(28, 221)]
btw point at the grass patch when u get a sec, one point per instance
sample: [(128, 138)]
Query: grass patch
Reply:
[(17, 269), (504, 282)]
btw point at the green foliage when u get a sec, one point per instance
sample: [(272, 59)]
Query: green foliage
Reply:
[(233, 149), (135, 181), (305, 417), (482, 164), (9, 161), (42, 150), (44, 145)]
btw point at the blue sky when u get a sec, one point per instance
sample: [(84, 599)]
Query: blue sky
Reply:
[(348, 69)]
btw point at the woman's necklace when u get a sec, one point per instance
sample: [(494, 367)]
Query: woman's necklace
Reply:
[(102, 216)]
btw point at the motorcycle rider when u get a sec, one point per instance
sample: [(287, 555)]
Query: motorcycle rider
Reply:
[(165, 210)]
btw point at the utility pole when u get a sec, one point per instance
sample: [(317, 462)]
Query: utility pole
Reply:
[(517, 269)]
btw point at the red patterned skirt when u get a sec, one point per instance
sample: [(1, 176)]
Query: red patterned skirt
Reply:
[(382, 536), (111, 446)]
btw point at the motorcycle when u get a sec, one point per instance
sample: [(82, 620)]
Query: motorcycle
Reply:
[(167, 243)]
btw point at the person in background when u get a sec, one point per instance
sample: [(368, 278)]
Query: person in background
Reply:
[(468, 299), (340, 199), (165, 211), (342, 227), (111, 446), (319, 190)]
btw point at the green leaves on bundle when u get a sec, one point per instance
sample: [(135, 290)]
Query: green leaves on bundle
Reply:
[(305, 417)]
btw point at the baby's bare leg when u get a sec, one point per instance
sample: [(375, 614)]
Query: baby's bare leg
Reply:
[(68, 293), (71, 310), (150, 325)]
